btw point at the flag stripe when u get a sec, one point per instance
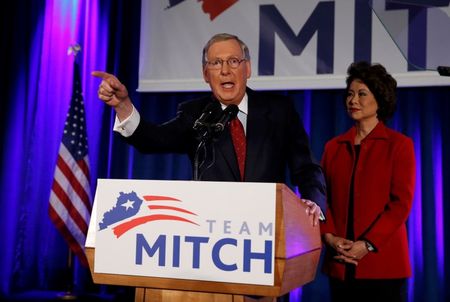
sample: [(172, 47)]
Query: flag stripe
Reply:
[(155, 207), (74, 175), (74, 198), (156, 197), (62, 217), (81, 170), (75, 245), (65, 203), (84, 166)]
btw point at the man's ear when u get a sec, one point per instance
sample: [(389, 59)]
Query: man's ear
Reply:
[(249, 69), (205, 75)]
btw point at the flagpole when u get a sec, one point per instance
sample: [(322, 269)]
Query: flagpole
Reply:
[(69, 295)]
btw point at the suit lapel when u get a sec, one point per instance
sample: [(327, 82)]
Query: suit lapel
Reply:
[(258, 127)]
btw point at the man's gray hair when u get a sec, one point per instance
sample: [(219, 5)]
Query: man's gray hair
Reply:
[(224, 37)]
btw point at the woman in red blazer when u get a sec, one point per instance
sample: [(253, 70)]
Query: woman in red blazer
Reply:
[(370, 176)]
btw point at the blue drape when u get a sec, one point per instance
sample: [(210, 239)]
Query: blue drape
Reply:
[(35, 85)]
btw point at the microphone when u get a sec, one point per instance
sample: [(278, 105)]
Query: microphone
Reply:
[(227, 115), (211, 110)]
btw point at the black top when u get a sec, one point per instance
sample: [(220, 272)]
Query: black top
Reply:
[(350, 268)]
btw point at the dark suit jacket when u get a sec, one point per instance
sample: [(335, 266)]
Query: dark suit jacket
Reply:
[(276, 141)]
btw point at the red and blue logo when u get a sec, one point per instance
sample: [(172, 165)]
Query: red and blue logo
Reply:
[(212, 7), (132, 211)]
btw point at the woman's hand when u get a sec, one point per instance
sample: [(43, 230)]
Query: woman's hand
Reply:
[(347, 250)]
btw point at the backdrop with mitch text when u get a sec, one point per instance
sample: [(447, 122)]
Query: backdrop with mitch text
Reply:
[(295, 44)]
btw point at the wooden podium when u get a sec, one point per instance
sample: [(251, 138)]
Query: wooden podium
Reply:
[(297, 253)]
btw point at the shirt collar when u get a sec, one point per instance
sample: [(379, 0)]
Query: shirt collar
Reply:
[(243, 105)]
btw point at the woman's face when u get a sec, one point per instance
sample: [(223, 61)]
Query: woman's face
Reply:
[(361, 103)]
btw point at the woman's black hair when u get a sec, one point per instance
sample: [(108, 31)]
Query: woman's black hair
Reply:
[(380, 83)]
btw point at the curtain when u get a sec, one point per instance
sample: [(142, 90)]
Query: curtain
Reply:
[(36, 84)]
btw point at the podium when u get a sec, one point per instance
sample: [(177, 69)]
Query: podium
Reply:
[(297, 252)]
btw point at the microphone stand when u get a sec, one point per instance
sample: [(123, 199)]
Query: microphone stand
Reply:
[(209, 129), (204, 138)]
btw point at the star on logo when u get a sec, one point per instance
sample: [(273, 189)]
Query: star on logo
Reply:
[(128, 204)]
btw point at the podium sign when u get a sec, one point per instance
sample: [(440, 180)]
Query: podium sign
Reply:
[(201, 241), (186, 230)]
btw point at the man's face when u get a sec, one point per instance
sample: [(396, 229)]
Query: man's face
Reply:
[(227, 84)]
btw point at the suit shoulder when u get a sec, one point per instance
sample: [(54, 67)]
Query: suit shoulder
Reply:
[(345, 137), (267, 95), (397, 136), (272, 100), (333, 142)]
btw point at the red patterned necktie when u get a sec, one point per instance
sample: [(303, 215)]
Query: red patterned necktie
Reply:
[(239, 142)]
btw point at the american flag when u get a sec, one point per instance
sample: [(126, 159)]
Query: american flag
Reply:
[(70, 198)]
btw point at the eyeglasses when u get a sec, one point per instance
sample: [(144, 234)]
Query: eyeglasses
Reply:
[(217, 63)]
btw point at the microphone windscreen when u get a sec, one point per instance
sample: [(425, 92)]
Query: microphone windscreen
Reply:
[(227, 115), (210, 113)]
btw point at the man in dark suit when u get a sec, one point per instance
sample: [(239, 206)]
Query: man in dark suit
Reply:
[(275, 138)]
